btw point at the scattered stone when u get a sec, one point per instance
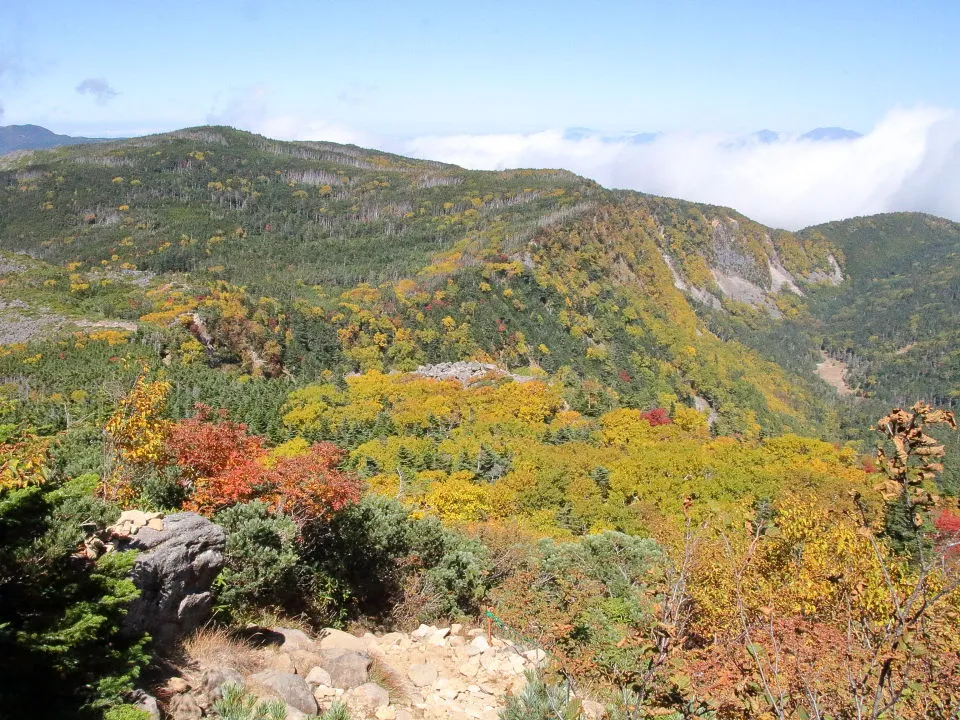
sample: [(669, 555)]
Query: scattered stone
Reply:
[(347, 668), (466, 372), (304, 660), (184, 707), (593, 710), (369, 696), (480, 642), (319, 676), (292, 689), (280, 661), (423, 631), (331, 638), (212, 680), (536, 656), (439, 638), (491, 663), (294, 639), (432, 681), (392, 638), (422, 674), (177, 685), (323, 693)]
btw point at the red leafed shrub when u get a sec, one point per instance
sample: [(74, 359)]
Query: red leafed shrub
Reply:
[(309, 486), (947, 523), (948, 533), (226, 466), (203, 448), (657, 416)]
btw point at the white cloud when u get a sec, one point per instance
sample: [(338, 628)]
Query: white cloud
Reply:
[(99, 88), (249, 109), (909, 161)]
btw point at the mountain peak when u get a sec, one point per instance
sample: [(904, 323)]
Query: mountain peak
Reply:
[(36, 137)]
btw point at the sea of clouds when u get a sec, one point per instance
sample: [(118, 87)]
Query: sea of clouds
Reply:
[(910, 161)]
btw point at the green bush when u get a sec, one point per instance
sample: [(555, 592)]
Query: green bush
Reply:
[(60, 614), (236, 704), (126, 712), (160, 489), (262, 564), (541, 701), (374, 549)]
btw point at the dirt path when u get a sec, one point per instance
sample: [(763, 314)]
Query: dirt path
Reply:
[(833, 372)]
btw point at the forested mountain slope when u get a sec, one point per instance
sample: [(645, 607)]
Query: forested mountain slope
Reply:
[(370, 260), (381, 261)]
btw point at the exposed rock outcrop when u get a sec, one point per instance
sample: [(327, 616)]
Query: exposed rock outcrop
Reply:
[(174, 571), (466, 372)]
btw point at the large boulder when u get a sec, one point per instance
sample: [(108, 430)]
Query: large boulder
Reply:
[(347, 668), (173, 572), (292, 689)]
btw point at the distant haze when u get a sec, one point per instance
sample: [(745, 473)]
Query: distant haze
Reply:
[(909, 161)]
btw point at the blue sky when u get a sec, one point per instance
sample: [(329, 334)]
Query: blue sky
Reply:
[(419, 67), (405, 75)]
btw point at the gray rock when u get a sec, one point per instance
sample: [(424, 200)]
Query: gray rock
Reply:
[(146, 702), (369, 696), (184, 707), (292, 689), (174, 572), (422, 675), (319, 676), (294, 639), (213, 679), (347, 668)]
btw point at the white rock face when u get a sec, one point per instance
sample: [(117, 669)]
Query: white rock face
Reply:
[(736, 288), (780, 278)]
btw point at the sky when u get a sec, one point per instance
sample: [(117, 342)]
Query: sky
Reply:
[(500, 84)]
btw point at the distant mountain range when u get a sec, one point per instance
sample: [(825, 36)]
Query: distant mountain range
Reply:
[(34, 137)]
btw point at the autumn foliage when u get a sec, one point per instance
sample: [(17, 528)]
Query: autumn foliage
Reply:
[(226, 465), (220, 463)]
